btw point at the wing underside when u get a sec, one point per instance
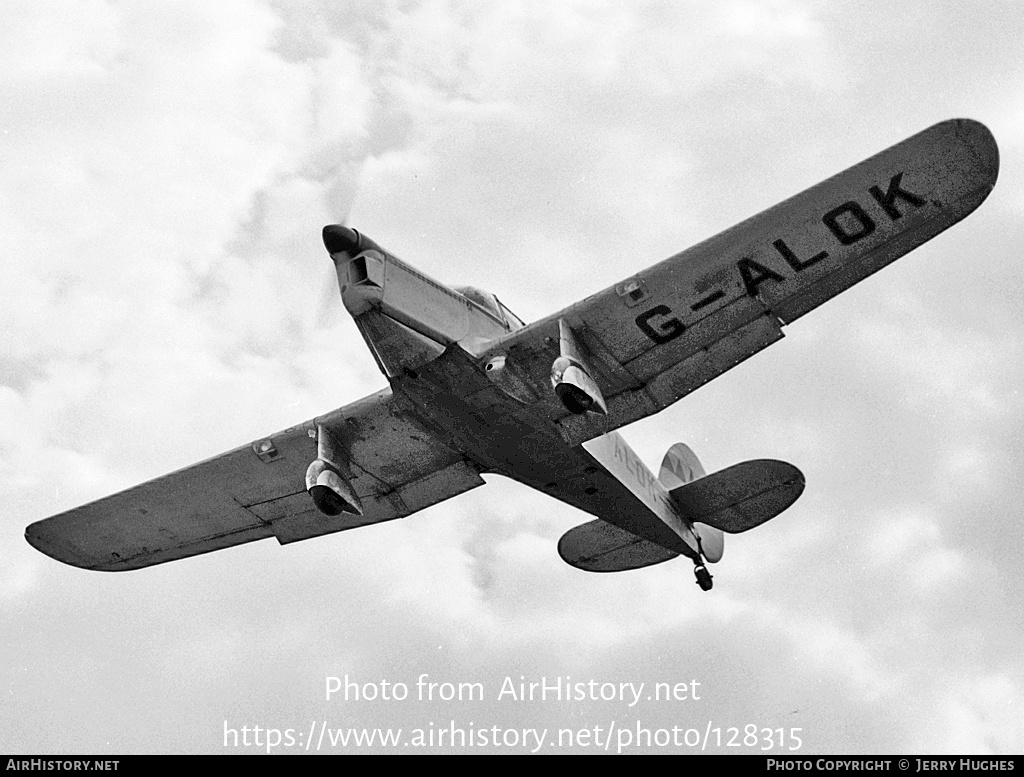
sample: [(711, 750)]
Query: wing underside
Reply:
[(395, 466), (665, 332)]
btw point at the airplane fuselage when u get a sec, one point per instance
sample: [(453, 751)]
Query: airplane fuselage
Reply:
[(427, 339)]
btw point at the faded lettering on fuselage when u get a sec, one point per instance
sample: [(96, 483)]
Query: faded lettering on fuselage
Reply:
[(848, 223), (643, 476)]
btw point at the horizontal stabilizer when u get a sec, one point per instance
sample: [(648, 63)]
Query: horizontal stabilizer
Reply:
[(742, 496), (599, 546)]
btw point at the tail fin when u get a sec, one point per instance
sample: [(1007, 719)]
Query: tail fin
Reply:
[(679, 467)]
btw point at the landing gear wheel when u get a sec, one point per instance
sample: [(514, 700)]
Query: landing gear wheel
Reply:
[(703, 577)]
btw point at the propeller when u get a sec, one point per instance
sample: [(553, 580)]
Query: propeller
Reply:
[(337, 239), (342, 243), (343, 186), (327, 307)]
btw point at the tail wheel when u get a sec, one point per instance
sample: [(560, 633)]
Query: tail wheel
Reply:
[(703, 577)]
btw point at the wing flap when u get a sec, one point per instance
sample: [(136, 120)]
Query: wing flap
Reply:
[(415, 495), (598, 546), (707, 364), (742, 496)]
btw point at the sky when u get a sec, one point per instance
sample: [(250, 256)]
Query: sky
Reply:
[(165, 171)]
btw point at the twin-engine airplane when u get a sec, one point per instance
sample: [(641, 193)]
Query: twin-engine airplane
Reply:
[(475, 390)]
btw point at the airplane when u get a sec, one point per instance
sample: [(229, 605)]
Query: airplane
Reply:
[(474, 390)]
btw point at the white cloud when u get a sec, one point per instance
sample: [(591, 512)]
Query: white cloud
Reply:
[(913, 544), (832, 650), (978, 714), (45, 45), (941, 371), (18, 579), (167, 170)]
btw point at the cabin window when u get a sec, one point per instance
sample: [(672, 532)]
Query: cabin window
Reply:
[(491, 304), (511, 319)]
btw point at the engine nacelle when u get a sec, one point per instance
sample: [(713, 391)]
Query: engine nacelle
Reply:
[(575, 388), (331, 493)]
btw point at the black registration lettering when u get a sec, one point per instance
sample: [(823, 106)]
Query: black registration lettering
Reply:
[(856, 226), (792, 260), (888, 199), (848, 223), (710, 299), (754, 274), (661, 331)]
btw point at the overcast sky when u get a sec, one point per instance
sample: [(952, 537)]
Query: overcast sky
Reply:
[(165, 171)]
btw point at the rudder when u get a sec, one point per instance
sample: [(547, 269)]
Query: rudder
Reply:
[(679, 467)]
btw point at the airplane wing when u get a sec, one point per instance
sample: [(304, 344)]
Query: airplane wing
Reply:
[(258, 491), (668, 330)]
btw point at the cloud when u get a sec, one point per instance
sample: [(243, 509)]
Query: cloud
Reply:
[(166, 173), (977, 714), (915, 543)]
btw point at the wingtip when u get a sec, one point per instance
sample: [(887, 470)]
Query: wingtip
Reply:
[(42, 539), (982, 143), (48, 540)]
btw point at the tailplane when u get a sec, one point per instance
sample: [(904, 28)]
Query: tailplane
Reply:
[(599, 546), (734, 500), (740, 497)]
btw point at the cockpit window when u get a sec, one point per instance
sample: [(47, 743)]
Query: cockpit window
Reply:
[(481, 298), (514, 322), (492, 305)]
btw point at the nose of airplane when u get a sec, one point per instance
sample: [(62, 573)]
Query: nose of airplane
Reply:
[(340, 239)]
